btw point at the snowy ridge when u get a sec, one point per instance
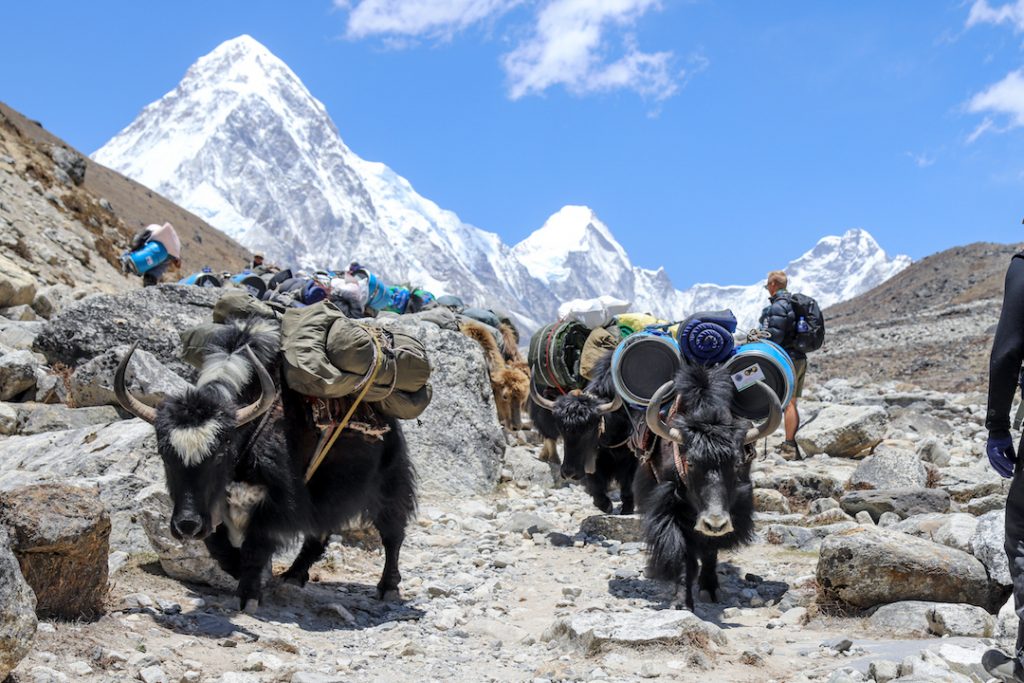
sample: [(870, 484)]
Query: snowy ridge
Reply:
[(242, 143)]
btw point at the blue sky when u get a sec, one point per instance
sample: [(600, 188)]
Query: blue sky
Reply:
[(719, 139)]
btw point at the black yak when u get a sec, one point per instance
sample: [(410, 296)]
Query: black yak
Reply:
[(237, 481), (595, 431), (695, 494)]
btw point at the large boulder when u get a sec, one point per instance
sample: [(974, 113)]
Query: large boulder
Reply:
[(146, 377), (843, 431), (905, 502), (955, 530), (593, 630), (918, 618), (976, 481), (806, 481), (50, 300), (36, 418), (61, 537), (17, 373), (17, 610), (869, 566), (987, 545), (457, 443), (119, 459), (153, 316), (17, 286), (625, 528), (890, 468)]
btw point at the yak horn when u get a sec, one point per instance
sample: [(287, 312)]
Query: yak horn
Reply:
[(774, 417), (611, 406), (653, 415), (124, 397), (545, 403), (268, 393)]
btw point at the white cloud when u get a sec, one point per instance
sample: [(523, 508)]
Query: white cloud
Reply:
[(1003, 99), (923, 160), (419, 18), (984, 13), (586, 46)]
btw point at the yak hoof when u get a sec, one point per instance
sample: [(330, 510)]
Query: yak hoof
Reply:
[(294, 581), (707, 596), (389, 595), (251, 606)]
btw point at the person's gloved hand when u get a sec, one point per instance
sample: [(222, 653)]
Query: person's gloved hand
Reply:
[(1001, 455)]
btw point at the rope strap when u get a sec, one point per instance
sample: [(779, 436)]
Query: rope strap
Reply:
[(327, 442)]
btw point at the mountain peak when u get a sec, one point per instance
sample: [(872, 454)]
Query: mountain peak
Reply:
[(548, 252)]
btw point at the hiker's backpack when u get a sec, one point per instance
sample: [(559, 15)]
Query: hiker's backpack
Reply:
[(809, 333), (555, 352)]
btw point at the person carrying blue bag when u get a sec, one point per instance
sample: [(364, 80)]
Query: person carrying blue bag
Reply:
[(1004, 376), (152, 252)]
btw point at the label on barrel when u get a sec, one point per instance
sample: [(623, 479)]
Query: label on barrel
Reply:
[(747, 377)]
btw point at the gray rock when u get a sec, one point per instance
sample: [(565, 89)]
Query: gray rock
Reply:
[(864, 517), (883, 671), (931, 450), (958, 532), (153, 316), (890, 469), (50, 300), (181, 560), (17, 373), (17, 286), (800, 538), (625, 528), (314, 677), (831, 516), (22, 313), (843, 430), (9, 419), (906, 619), (868, 566), (527, 470), (887, 519), (770, 500), (527, 522), (70, 162), (987, 544), (17, 610), (457, 443), (822, 504), (36, 418), (961, 620), (976, 481), (61, 537), (802, 480), (146, 377), (592, 630), (17, 334), (904, 502), (991, 503), (965, 661)]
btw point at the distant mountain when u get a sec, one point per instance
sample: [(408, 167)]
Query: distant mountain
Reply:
[(242, 143)]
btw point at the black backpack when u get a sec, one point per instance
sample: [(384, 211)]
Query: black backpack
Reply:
[(814, 336)]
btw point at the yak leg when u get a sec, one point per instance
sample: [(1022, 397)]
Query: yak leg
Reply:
[(312, 550), (549, 451), (257, 551), (392, 535), (226, 555), (517, 416), (684, 589), (708, 573), (597, 486), (624, 475)]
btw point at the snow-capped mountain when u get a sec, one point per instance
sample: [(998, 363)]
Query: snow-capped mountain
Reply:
[(242, 143)]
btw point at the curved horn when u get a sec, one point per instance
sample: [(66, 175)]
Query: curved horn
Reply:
[(268, 393), (774, 417), (124, 397), (611, 406), (653, 415), (546, 404)]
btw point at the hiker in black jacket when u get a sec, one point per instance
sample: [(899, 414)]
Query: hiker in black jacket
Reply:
[(1003, 378), (779, 320)]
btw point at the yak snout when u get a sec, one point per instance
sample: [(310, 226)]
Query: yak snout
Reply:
[(571, 473), (187, 526), (714, 524)]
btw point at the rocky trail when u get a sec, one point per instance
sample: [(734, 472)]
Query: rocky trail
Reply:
[(877, 558)]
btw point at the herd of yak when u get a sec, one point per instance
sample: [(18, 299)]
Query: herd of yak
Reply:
[(235, 448)]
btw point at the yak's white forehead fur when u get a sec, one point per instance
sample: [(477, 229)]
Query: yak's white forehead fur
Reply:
[(194, 444), (231, 370)]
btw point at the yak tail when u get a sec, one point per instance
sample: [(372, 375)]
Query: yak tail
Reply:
[(481, 336), (511, 339), (666, 544)]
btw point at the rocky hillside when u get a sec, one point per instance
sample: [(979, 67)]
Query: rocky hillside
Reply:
[(930, 325), (879, 558), (64, 219)]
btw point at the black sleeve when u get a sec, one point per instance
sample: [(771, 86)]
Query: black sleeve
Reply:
[(1007, 352), (779, 320)]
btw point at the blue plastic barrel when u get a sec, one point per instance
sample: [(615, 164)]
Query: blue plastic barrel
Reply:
[(771, 361), (642, 363), (151, 255)]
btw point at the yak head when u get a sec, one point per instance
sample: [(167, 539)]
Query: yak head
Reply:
[(580, 417), (710, 446), (198, 437)]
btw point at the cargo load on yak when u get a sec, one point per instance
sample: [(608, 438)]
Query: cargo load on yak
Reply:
[(555, 352), (327, 355), (593, 313)]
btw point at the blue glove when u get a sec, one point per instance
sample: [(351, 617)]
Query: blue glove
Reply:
[(1001, 455)]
